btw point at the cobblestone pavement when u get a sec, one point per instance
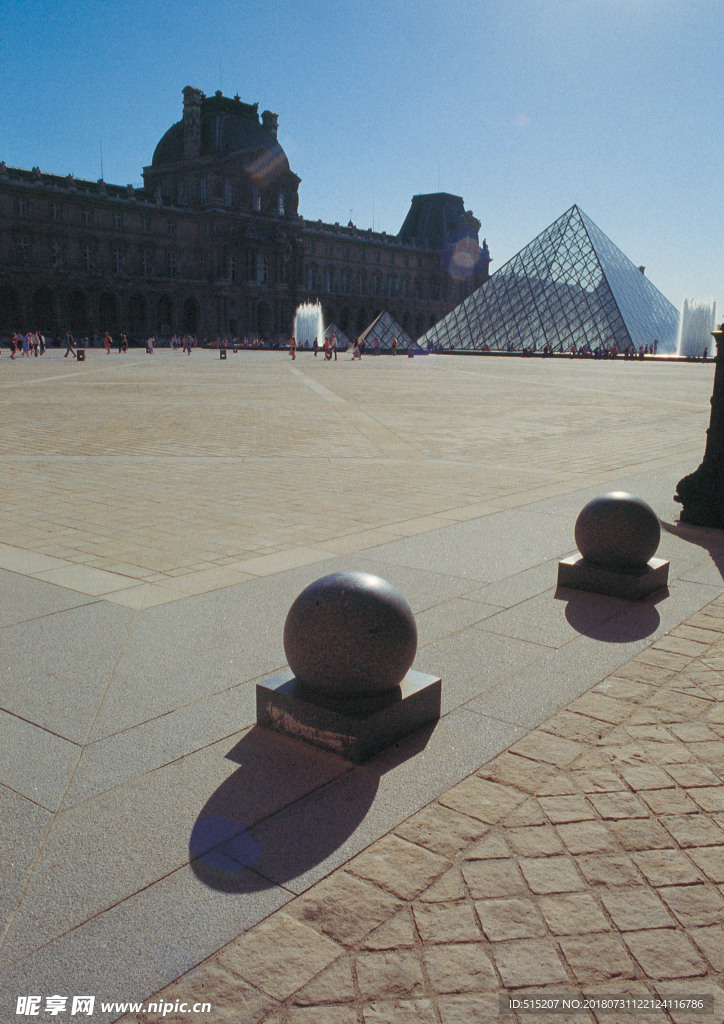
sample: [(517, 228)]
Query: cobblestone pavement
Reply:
[(587, 861), (146, 480)]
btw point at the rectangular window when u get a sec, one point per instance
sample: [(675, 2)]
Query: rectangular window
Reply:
[(117, 220), (22, 208), (86, 215)]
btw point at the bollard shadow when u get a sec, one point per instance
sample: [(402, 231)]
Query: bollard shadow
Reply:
[(708, 538), (627, 621), (287, 808)]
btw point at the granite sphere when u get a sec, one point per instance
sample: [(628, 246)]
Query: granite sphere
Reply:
[(618, 531), (351, 635)]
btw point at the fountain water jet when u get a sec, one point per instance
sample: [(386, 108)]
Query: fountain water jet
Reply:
[(309, 325), (696, 323)]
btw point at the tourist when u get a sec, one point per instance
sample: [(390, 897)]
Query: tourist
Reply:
[(656, 346), (41, 338), (69, 346), (316, 347), (26, 344), (327, 353), (293, 347), (334, 346), (13, 345), (355, 349), (376, 344), (394, 346)]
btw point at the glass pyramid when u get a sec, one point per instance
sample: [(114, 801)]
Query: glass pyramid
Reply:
[(342, 339), (569, 286), (385, 328)]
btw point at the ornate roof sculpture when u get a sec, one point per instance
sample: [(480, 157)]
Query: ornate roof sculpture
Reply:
[(569, 286)]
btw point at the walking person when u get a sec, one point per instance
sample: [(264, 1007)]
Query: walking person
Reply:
[(293, 347), (334, 347), (13, 344), (394, 346), (107, 342), (69, 346)]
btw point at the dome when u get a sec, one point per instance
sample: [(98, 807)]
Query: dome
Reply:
[(226, 127)]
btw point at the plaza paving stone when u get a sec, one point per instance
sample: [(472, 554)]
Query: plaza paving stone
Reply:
[(560, 829)]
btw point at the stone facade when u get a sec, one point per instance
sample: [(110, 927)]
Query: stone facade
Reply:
[(213, 244)]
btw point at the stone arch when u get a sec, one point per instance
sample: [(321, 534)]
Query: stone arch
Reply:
[(191, 316), (9, 309), (264, 320), (136, 315), (77, 312), (108, 312), (43, 316), (164, 314)]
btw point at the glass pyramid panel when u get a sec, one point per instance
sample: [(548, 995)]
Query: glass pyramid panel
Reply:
[(342, 339), (569, 286), (385, 328)]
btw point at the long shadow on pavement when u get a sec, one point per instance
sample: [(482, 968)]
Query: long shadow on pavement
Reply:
[(230, 855), (634, 621)]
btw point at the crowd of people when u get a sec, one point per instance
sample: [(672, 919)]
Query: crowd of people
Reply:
[(330, 348), (30, 344)]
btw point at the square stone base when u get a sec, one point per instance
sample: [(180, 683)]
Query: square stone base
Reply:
[(355, 734), (576, 573)]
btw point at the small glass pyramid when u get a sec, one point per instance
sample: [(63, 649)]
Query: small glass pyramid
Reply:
[(385, 328), (342, 339), (569, 286)]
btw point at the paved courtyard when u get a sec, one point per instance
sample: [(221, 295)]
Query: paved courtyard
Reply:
[(161, 513)]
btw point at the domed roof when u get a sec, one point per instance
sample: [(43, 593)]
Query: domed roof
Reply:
[(227, 127)]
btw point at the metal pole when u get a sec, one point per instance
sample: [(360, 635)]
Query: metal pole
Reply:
[(701, 493)]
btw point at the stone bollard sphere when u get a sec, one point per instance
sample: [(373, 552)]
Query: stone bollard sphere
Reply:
[(350, 636), (618, 531)]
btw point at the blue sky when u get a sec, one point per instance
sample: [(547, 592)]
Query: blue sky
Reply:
[(523, 107)]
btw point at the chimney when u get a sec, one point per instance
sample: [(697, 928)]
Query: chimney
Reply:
[(192, 122)]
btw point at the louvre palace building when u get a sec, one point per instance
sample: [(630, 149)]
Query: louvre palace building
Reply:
[(213, 244)]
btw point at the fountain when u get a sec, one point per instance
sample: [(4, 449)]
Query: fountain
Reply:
[(309, 325), (696, 323)]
